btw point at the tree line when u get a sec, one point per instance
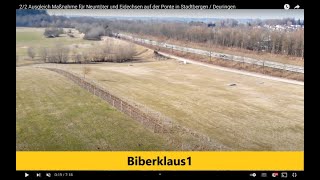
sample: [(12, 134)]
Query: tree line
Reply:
[(243, 37), (93, 28), (225, 33), (107, 52)]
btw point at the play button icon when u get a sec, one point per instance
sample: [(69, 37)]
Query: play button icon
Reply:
[(26, 174)]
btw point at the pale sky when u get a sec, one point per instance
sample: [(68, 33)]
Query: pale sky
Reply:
[(208, 13)]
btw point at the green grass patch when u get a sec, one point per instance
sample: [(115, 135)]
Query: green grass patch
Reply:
[(53, 113)]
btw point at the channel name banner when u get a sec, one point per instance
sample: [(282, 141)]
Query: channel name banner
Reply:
[(159, 160)]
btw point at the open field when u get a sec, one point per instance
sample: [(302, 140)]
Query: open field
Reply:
[(52, 113), (252, 114), (228, 50), (256, 114)]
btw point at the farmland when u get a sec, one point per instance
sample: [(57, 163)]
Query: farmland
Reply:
[(55, 114), (248, 116), (236, 111)]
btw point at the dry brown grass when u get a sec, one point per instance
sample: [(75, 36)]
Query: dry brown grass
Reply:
[(232, 64), (256, 114)]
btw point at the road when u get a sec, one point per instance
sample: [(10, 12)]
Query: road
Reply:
[(234, 70), (228, 57)]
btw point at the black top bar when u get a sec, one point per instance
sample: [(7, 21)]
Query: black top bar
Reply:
[(240, 4)]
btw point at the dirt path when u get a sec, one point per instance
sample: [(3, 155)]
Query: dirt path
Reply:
[(234, 70)]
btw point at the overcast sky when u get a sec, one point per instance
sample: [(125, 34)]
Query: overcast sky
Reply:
[(208, 13)]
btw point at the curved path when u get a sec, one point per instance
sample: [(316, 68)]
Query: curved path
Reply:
[(234, 70)]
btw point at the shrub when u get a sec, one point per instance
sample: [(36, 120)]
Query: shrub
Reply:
[(31, 52), (58, 54), (53, 32)]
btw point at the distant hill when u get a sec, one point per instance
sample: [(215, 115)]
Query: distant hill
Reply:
[(39, 18), (25, 12)]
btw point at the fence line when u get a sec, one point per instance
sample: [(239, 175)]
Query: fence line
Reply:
[(264, 63), (151, 119)]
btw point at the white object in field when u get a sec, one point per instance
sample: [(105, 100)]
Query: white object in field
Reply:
[(184, 62)]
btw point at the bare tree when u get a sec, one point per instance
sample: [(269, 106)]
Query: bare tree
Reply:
[(116, 52), (43, 53), (62, 53), (31, 52), (86, 57), (127, 51), (94, 33), (78, 58), (86, 71), (58, 54)]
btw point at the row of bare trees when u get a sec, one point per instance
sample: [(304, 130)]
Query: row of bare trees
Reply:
[(107, 52), (245, 37), (57, 54)]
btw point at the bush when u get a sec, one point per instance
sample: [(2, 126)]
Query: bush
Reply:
[(53, 32), (31, 52), (111, 52), (94, 33), (125, 53), (86, 57)]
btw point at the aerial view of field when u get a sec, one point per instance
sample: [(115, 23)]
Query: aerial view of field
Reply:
[(55, 114), (197, 107)]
